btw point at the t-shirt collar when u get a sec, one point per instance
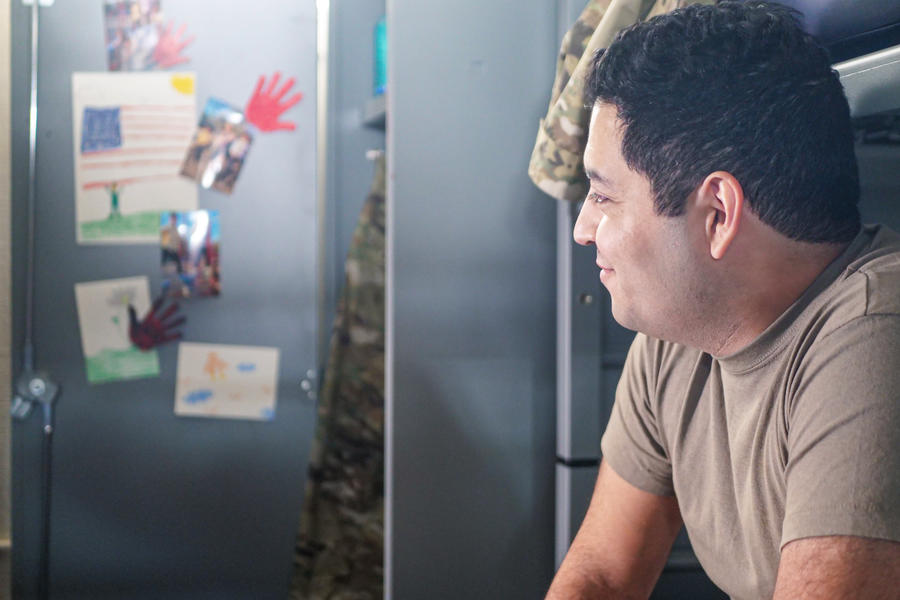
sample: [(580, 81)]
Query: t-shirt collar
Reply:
[(775, 337)]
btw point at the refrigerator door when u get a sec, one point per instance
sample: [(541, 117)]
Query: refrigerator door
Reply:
[(146, 504), (574, 486), (580, 414), (591, 346)]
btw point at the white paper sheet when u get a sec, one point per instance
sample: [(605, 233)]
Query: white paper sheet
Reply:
[(131, 132), (103, 319), (235, 382)]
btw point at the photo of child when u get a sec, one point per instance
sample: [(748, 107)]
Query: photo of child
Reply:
[(219, 147), (132, 32), (190, 253)]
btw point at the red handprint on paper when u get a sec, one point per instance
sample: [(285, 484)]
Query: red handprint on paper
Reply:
[(167, 52), (154, 329), (265, 107)]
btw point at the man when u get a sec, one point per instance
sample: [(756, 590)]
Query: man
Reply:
[(759, 400)]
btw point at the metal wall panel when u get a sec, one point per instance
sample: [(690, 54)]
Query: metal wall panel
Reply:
[(5, 304), (349, 174), (471, 301)]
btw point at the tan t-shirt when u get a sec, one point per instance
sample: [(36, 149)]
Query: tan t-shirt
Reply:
[(796, 435)]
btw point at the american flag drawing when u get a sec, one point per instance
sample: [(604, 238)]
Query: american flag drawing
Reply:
[(133, 143)]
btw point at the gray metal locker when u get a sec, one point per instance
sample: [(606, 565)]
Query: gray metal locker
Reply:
[(146, 504)]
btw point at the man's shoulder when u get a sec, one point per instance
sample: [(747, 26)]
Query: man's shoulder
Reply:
[(877, 271), (864, 297)]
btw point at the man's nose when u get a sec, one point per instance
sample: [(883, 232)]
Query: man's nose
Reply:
[(585, 229)]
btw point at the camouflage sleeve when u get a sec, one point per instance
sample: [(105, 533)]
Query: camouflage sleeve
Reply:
[(556, 165), (574, 42), (339, 546)]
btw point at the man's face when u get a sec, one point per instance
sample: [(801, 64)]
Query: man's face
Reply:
[(647, 262)]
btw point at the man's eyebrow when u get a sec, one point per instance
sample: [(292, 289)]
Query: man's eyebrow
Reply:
[(596, 177)]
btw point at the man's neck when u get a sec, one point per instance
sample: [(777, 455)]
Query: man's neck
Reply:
[(769, 284)]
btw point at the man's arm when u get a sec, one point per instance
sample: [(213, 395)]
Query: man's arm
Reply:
[(838, 568), (622, 544), (843, 466)]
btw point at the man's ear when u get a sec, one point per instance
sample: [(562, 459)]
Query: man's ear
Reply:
[(722, 200)]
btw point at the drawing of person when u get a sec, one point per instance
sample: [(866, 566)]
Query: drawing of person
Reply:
[(113, 190), (215, 366)]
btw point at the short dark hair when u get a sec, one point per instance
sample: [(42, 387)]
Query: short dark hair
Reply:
[(737, 87)]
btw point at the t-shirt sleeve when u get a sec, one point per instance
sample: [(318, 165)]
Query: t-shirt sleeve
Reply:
[(843, 460), (631, 444)]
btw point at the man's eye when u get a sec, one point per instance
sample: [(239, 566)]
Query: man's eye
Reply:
[(597, 198)]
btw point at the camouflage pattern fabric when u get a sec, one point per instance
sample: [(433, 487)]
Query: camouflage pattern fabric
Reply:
[(339, 549), (556, 165)]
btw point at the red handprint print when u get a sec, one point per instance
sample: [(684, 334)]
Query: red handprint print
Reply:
[(167, 52), (154, 330), (264, 106)]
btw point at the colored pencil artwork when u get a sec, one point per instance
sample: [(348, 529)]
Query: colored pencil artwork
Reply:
[(131, 132), (109, 353), (226, 382)]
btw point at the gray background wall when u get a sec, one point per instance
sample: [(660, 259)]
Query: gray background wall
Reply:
[(471, 300), (5, 308), (349, 173)]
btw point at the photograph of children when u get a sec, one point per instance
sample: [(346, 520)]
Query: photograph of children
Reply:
[(219, 147), (190, 253), (132, 32)]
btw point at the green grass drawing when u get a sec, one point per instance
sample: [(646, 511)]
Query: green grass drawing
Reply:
[(144, 224), (113, 365)]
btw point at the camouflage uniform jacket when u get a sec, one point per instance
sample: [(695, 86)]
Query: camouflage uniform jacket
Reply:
[(339, 548), (556, 165)]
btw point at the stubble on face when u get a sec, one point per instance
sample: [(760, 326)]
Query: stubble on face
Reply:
[(657, 282)]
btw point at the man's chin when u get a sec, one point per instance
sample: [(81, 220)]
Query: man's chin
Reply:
[(623, 317)]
